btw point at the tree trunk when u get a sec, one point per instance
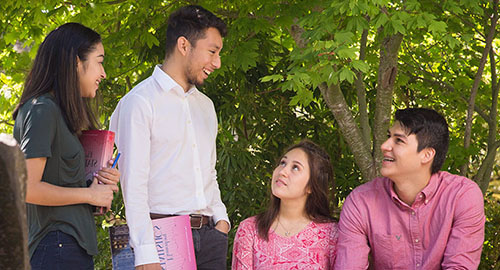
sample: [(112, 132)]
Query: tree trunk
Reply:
[(349, 129), (387, 72), (13, 227)]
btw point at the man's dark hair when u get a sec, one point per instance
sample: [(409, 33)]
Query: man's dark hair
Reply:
[(431, 130), (191, 22)]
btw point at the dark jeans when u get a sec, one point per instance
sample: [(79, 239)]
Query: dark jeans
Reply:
[(210, 248), (60, 251)]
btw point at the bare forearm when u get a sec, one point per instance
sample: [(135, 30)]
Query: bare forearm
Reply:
[(43, 193)]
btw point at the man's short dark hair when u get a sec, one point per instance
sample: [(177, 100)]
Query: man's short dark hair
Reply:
[(431, 130), (191, 22)]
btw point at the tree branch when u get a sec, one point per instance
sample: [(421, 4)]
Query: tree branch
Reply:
[(361, 93), (477, 80), (449, 88), (6, 122), (337, 104), (468, 23), (483, 176)]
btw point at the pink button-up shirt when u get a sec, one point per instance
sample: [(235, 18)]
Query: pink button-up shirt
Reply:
[(442, 229)]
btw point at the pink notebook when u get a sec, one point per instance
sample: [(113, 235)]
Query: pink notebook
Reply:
[(173, 241), (98, 147)]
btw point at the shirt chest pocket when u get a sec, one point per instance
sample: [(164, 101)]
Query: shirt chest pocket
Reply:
[(390, 251)]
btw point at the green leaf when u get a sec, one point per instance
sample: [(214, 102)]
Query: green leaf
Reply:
[(381, 20), (344, 37), (421, 22), (347, 74), (398, 26), (360, 65), (437, 27), (452, 42), (150, 40), (11, 38), (273, 78), (345, 52), (412, 5)]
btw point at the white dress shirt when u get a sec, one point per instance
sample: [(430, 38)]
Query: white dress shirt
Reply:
[(167, 141)]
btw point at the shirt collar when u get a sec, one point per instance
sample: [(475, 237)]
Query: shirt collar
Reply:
[(423, 196), (431, 187), (168, 84), (394, 196)]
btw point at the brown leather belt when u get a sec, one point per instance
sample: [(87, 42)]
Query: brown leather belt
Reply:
[(197, 221)]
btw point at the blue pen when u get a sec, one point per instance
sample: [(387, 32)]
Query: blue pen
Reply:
[(116, 160)]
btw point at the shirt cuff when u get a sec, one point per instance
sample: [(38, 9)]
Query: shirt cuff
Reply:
[(221, 216), (146, 254)]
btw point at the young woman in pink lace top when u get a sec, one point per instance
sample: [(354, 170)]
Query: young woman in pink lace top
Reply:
[(296, 231)]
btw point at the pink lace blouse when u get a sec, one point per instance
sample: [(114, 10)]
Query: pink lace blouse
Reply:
[(312, 248)]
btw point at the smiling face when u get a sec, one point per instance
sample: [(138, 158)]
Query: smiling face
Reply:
[(401, 158), (91, 71), (203, 57), (291, 177)]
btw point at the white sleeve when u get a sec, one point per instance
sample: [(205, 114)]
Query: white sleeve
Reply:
[(132, 121), (216, 204)]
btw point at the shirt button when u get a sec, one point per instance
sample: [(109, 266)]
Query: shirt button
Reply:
[(413, 213), (416, 240), (426, 201), (418, 264), (60, 245), (420, 196), (189, 121)]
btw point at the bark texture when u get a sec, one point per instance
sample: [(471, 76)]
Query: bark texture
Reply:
[(387, 72), (13, 227)]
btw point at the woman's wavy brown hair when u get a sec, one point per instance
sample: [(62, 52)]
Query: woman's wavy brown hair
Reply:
[(317, 202)]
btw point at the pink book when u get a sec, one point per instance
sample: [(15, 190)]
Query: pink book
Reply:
[(98, 147), (173, 241)]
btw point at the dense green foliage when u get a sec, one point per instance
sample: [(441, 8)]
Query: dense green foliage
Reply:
[(332, 71)]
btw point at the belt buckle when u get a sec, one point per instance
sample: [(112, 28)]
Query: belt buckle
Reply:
[(196, 216)]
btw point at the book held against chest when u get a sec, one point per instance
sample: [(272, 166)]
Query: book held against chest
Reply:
[(98, 147), (173, 240)]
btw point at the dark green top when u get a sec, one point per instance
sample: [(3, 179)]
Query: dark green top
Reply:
[(42, 132)]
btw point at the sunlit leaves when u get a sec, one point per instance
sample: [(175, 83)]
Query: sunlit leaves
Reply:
[(380, 20), (360, 66), (149, 39), (437, 27), (273, 78), (346, 52)]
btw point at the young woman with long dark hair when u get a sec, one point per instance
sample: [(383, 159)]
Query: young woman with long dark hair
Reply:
[(297, 230), (54, 108)]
